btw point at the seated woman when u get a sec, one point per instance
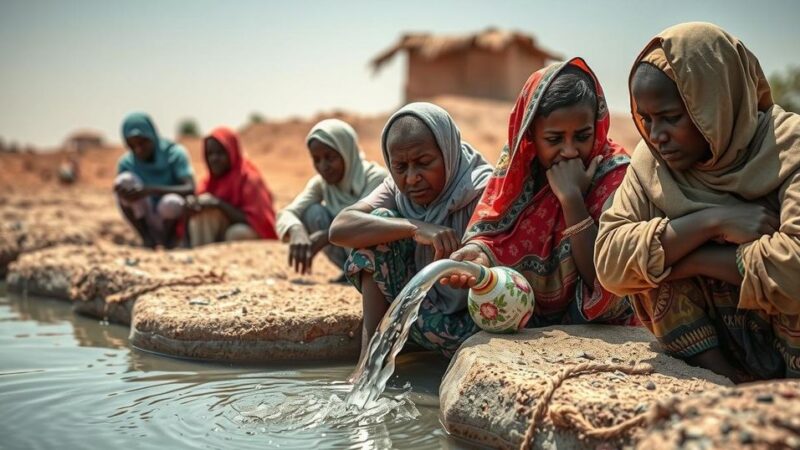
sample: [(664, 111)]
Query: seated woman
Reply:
[(152, 180), (233, 202), (414, 218), (539, 211), (344, 178), (704, 232)]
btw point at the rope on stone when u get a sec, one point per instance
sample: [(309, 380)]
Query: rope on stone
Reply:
[(569, 416)]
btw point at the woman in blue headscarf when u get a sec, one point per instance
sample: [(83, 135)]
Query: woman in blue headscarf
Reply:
[(152, 180)]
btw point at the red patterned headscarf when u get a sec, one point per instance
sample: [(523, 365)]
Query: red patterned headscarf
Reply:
[(242, 186), (522, 228)]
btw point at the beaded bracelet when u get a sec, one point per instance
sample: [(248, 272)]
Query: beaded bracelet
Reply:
[(583, 225)]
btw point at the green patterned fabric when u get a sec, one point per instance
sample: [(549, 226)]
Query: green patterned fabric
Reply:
[(391, 265)]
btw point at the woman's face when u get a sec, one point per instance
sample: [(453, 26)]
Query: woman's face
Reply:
[(142, 148), (667, 124), (566, 133), (415, 161), (327, 161), (217, 158)]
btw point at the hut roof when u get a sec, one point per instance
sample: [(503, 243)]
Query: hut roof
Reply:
[(431, 46), (85, 134)]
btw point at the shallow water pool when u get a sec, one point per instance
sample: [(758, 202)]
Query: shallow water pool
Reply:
[(68, 381)]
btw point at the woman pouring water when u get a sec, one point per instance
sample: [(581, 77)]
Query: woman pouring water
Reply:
[(414, 218)]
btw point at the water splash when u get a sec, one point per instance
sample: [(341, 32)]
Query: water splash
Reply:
[(342, 405), (377, 364), (321, 405)]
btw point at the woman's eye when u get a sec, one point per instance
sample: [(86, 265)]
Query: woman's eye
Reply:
[(553, 140), (583, 137), (673, 119), (645, 119)]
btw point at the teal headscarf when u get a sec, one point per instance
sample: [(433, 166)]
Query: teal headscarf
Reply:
[(170, 161)]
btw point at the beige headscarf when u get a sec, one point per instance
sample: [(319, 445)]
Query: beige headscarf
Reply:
[(755, 147)]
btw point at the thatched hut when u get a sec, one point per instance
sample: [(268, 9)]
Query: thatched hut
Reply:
[(490, 64)]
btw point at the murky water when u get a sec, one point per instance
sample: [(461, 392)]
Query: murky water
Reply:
[(68, 381)]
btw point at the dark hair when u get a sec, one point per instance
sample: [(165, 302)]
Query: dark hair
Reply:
[(571, 87)]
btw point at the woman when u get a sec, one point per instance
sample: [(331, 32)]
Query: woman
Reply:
[(343, 178), (539, 211), (153, 178), (704, 231), (233, 201), (414, 218)]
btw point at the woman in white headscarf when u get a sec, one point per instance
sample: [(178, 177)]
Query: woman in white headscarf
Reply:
[(343, 178), (415, 217)]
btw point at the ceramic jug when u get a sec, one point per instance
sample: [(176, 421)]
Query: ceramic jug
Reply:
[(501, 301)]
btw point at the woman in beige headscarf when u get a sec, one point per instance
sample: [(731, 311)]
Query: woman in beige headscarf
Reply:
[(343, 179), (704, 231)]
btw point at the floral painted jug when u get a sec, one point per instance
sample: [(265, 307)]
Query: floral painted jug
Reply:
[(501, 301)]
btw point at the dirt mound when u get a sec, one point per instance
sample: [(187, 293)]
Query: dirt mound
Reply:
[(495, 386), (278, 148), (34, 221), (759, 416), (104, 280), (267, 320)]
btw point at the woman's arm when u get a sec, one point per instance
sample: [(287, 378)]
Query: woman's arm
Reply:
[(288, 220), (235, 215), (686, 234), (355, 227), (710, 260), (186, 187), (583, 242), (771, 263), (628, 255)]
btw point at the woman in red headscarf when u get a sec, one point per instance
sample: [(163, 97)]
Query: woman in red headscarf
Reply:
[(233, 202), (539, 211)]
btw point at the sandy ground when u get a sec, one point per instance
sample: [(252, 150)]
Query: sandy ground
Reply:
[(277, 148)]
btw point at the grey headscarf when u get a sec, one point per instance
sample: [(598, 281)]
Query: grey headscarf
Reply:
[(466, 174)]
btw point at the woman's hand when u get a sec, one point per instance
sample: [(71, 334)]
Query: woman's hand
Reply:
[(300, 249), (319, 240), (132, 193), (443, 239), (206, 200), (469, 253), (570, 180), (745, 223)]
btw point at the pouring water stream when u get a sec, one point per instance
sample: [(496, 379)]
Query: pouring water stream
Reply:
[(377, 364)]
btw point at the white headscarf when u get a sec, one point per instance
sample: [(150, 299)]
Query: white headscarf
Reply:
[(359, 175)]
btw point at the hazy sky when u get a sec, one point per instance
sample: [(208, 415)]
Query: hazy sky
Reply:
[(68, 64)]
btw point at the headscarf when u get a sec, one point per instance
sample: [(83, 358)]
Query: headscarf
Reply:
[(170, 160), (521, 228), (755, 148), (359, 174), (242, 186), (466, 174)]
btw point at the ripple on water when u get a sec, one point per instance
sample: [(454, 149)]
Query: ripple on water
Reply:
[(257, 409), (56, 391)]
